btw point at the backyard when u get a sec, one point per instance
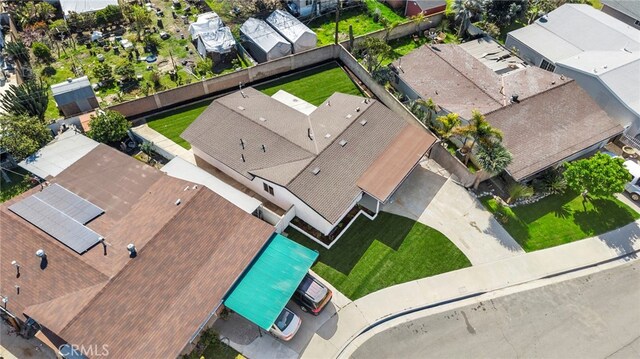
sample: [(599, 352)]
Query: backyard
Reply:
[(314, 86), (559, 219), (389, 250), (19, 184)]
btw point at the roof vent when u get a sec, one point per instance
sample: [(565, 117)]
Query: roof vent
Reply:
[(343, 143), (316, 171), (514, 98), (242, 143), (327, 135), (264, 149), (242, 158), (349, 116), (262, 119), (15, 264), (178, 201), (240, 108), (309, 134), (132, 250), (363, 122), (357, 109), (40, 253), (328, 103), (243, 95)]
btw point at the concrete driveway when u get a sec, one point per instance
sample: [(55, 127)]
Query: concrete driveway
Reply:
[(253, 342), (440, 203)]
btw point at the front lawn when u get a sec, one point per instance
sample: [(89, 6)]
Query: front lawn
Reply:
[(377, 254), (20, 183), (172, 123), (314, 85), (560, 219)]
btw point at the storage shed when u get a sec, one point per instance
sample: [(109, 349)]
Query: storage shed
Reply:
[(206, 22), (74, 96), (297, 33), (218, 44), (262, 41)]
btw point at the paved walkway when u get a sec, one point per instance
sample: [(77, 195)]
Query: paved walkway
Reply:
[(164, 146), (440, 203), (523, 268)]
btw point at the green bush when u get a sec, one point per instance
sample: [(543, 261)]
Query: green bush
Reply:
[(41, 51), (108, 127)]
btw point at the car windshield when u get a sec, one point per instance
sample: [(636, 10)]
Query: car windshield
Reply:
[(284, 319)]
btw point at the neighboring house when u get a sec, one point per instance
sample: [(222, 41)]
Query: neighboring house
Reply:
[(80, 6), (627, 11), (297, 33), (534, 108), (425, 7), (305, 8), (599, 52), (74, 96), (262, 41), (86, 288), (348, 151)]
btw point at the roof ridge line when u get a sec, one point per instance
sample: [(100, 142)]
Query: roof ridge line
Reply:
[(122, 270), (532, 97)]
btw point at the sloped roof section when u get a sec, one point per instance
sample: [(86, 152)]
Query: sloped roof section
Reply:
[(546, 129), (628, 7), (73, 90), (293, 30)]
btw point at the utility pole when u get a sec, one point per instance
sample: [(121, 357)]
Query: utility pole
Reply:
[(337, 18)]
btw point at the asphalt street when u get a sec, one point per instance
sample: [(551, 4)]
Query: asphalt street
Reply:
[(595, 316)]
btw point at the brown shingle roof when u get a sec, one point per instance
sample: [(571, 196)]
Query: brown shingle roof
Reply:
[(188, 255), (459, 82), (545, 129), (388, 171)]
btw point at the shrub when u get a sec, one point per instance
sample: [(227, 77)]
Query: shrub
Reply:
[(103, 73), (519, 191), (41, 51), (108, 126)]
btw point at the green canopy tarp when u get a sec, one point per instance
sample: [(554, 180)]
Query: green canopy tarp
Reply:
[(268, 284)]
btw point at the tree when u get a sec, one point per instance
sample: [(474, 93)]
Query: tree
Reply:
[(19, 51), (600, 175), (58, 27), (29, 98), (81, 22), (465, 11), (22, 135), (504, 12), (32, 12), (139, 18), (108, 15), (103, 73), (537, 8), (445, 125), (519, 191), (490, 28), (493, 159), (126, 71), (480, 131), (41, 51), (147, 148), (108, 126), (204, 67), (374, 51)]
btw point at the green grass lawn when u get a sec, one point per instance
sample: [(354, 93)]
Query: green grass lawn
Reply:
[(403, 46), (315, 85), (19, 184), (560, 219), (377, 254), (172, 123)]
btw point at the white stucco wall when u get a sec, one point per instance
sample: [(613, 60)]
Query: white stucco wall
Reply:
[(281, 197)]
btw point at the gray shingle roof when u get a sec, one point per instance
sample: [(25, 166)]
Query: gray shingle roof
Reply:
[(71, 91), (549, 127), (628, 7), (459, 82), (290, 154)]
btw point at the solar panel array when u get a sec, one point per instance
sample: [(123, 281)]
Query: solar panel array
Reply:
[(69, 203), (61, 214)]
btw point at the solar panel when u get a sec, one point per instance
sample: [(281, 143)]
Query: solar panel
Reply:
[(69, 203), (70, 232)]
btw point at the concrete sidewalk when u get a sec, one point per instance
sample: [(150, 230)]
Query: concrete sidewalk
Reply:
[(164, 146), (350, 320)]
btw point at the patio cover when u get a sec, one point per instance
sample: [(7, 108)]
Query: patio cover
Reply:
[(268, 284), (397, 161)]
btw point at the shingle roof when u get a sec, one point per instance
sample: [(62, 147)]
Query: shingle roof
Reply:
[(547, 128), (459, 82), (71, 91), (291, 154), (188, 257)]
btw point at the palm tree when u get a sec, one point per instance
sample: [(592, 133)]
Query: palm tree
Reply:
[(445, 125), (465, 10), (424, 110), (493, 159), (480, 130)]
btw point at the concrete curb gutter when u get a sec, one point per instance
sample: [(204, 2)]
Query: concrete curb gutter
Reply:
[(346, 350)]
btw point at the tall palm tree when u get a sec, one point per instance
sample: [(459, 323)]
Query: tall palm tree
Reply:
[(479, 130), (493, 159), (465, 10), (446, 125)]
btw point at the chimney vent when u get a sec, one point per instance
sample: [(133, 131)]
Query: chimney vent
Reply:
[(357, 109), (363, 122), (40, 253), (316, 171), (132, 250), (514, 98), (343, 143)]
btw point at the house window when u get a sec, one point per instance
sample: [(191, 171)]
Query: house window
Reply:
[(268, 188), (308, 2), (546, 65)]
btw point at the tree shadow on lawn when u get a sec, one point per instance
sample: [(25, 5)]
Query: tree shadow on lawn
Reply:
[(604, 215)]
